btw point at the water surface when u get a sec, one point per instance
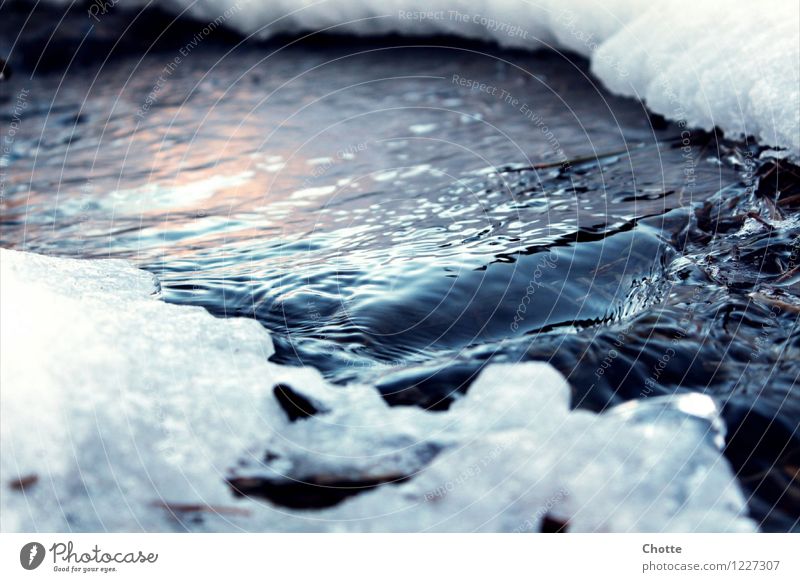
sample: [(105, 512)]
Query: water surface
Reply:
[(389, 224)]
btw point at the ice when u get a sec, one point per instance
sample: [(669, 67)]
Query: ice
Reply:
[(132, 413), (523, 456), (689, 412), (718, 63)]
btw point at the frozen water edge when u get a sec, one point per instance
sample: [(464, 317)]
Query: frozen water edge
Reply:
[(718, 63), (119, 402)]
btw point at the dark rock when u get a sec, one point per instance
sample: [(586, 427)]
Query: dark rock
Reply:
[(314, 492), (294, 404), (430, 387), (553, 525)]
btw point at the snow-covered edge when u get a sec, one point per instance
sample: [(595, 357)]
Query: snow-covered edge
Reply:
[(717, 63), (121, 412)]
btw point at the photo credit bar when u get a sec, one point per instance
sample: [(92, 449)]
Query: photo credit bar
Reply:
[(356, 557)]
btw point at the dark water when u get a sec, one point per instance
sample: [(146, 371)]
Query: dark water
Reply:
[(392, 226)]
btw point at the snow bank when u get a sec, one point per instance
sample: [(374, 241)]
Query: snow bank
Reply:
[(718, 63), (120, 412), (732, 65), (110, 396)]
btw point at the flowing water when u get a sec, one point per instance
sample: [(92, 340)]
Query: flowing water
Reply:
[(403, 215)]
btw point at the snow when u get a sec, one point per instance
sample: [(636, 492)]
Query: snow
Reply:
[(120, 403), (714, 63), (109, 394)]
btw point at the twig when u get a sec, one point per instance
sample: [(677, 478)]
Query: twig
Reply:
[(24, 482), (776, 302), (788, 275), (573, 161), (789, 200), (200, 507), (758, 218)]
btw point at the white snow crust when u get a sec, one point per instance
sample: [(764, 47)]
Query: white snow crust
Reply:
[(132, 414)]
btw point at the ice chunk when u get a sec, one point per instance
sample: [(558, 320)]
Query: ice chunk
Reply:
[(132, 414), (521, 456), (688, 412)]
